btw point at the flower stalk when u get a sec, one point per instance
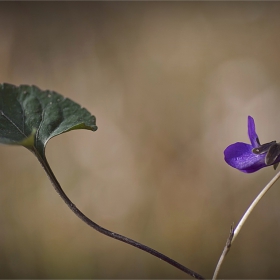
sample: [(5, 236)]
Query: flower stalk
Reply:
[(253, 205), (235, 232), (249, 158)]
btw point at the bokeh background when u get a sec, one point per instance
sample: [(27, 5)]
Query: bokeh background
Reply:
[(171, 86)]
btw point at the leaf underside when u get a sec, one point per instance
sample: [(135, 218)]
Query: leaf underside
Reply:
[(30, 116)]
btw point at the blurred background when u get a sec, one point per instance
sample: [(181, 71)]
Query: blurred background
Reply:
[(171, 86)]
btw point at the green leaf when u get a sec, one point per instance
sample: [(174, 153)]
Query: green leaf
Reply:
[(31, 117)]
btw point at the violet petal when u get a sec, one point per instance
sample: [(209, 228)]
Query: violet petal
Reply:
[(252, 133), (241, 157)]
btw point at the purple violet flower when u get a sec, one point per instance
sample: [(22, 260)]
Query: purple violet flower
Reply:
[(250, 158)]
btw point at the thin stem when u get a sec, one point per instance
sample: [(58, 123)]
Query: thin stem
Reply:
[(102, 230), (243, 220), (254, 203), (225, 251)]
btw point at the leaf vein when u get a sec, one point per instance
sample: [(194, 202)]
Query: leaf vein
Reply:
[(40, 125), (5, 116), (23, 116)]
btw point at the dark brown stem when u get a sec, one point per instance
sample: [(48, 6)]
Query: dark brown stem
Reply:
[(102, 230)]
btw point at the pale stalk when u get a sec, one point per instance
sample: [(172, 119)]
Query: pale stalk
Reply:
[(254, 203), (242, 221)]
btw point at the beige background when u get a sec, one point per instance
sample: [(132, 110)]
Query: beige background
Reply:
[(171, 86)]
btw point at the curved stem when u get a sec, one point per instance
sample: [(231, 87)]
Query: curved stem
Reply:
[(102, 230), (253, 205), (242, 221)]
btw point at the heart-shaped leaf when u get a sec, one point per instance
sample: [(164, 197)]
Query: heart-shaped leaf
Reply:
[(30, 116)]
